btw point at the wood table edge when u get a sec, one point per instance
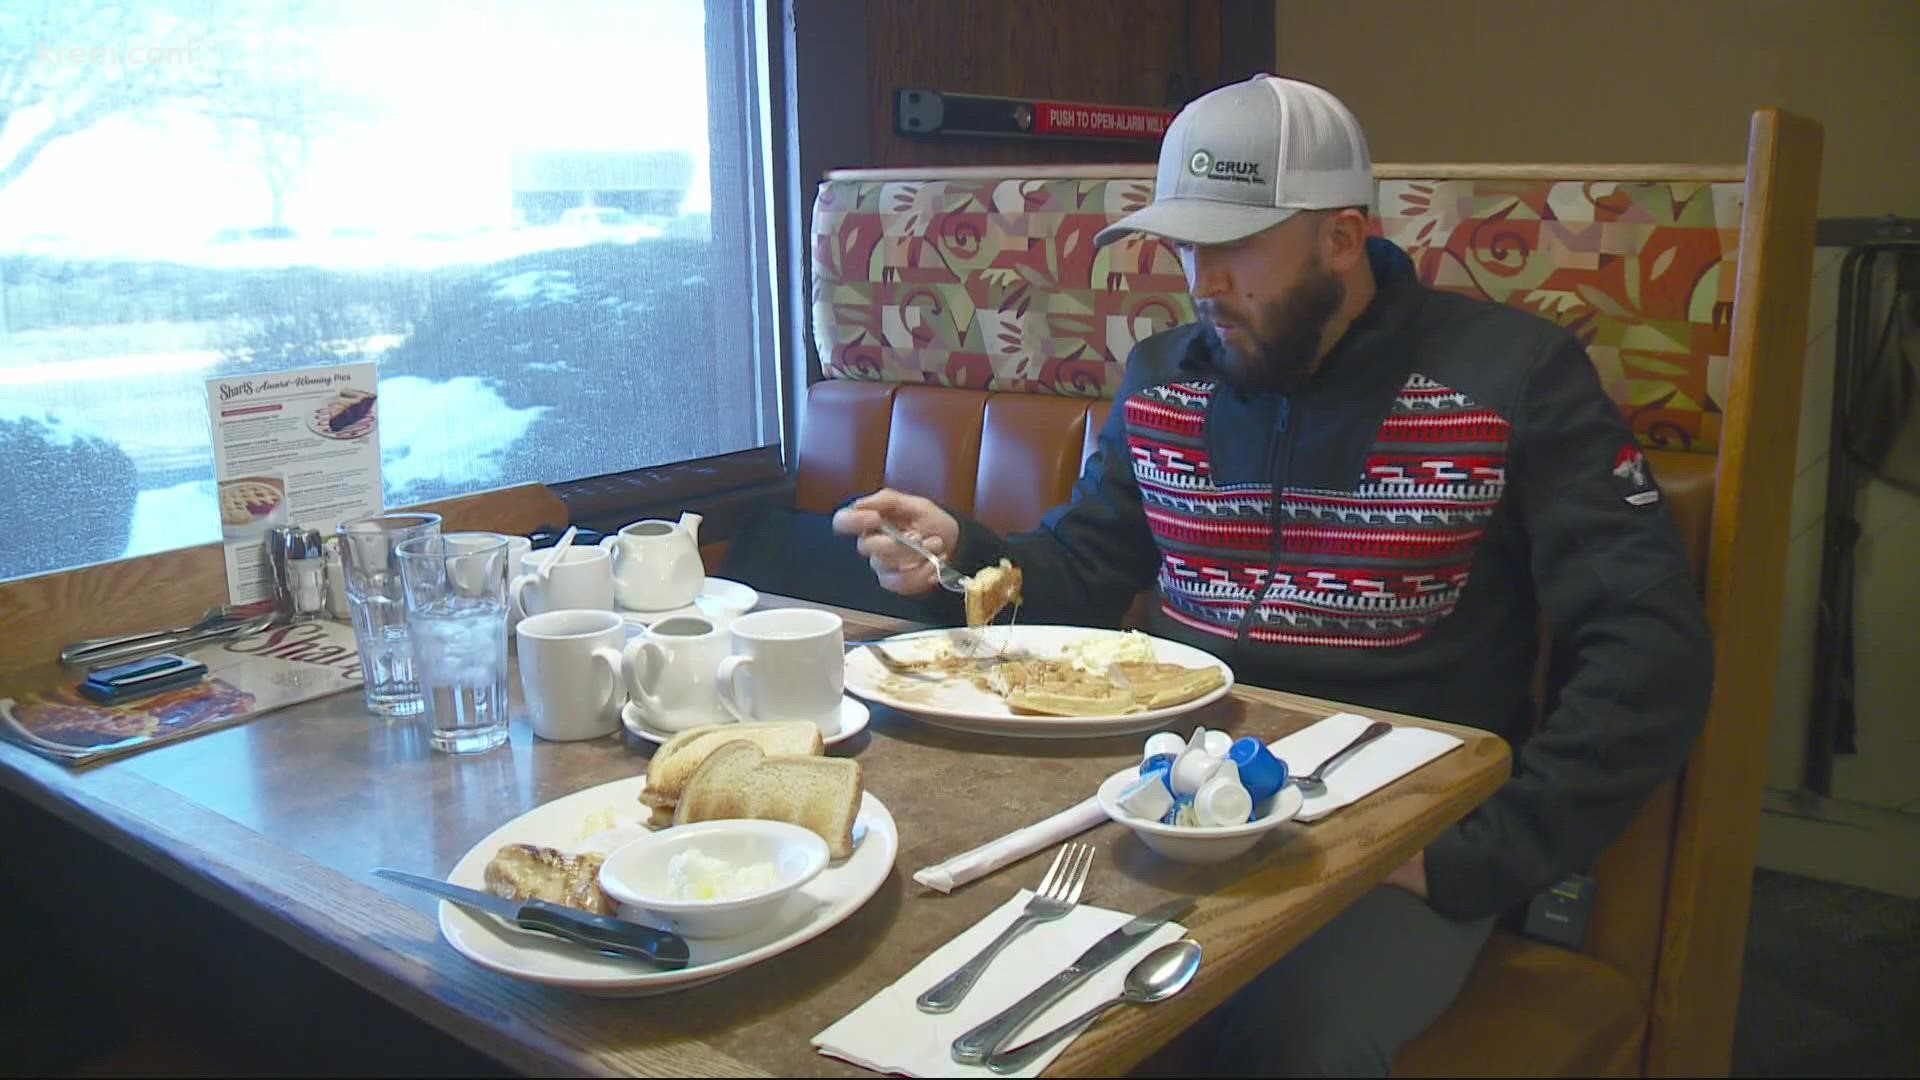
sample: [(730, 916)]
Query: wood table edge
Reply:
[(176, 837)]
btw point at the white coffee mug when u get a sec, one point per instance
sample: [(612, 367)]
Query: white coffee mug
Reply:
[(796, 658), (518, 548), (671, 668), (581, 580), (570, 672)]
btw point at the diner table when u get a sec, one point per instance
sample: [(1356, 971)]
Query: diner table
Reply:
[(279, 822)]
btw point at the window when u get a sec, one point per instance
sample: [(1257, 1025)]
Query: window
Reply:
[(545, 220)]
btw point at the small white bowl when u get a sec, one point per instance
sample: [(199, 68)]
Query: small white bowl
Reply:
[(635, 874), (1199, 843)]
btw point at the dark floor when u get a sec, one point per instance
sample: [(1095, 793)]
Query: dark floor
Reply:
[(1832, 983)]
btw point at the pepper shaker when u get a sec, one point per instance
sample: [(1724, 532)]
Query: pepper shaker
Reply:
[(307, 568)]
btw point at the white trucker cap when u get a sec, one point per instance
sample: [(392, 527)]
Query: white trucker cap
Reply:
[(1249, 156)]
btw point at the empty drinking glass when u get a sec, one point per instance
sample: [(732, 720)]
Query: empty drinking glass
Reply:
[(377, 602), (456, 588)]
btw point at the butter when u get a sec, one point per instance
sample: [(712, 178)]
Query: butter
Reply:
[(695, 875)]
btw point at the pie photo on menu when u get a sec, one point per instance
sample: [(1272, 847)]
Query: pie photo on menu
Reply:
[(346, 415), (249, 505)]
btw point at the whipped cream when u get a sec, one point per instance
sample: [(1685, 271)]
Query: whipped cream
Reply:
[(1097, 654)]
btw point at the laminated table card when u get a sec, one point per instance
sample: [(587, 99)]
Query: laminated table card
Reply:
[(246, 677), (298, 447)]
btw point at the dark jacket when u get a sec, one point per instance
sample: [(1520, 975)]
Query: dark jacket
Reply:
[(1452, 470)]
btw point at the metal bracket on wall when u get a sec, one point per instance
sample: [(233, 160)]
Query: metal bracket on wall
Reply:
[(920, 112)]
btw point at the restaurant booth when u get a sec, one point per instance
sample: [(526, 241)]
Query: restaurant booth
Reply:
[(966, 343)]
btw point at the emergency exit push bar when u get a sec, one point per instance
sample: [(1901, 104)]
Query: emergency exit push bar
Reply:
[(932, 113)]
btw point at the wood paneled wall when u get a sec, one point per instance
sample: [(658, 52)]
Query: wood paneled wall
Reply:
[(1118, 53), (1151, 53)]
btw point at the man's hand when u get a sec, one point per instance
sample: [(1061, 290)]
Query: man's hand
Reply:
[(1411, 876), (899, 569)]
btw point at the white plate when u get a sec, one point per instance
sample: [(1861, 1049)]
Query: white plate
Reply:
[(720, 600), (853, 720), (956, 703), (826, 900)]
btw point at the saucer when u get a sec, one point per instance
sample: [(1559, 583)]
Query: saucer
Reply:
[(853, 721), (720, 600)]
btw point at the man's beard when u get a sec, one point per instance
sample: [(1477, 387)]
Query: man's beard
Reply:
[(1286, 336)]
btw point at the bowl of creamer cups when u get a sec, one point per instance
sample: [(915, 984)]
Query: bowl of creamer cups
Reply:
[(1189, 800)]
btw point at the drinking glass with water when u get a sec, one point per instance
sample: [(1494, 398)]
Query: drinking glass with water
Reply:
[(377, 602), (456, 592)]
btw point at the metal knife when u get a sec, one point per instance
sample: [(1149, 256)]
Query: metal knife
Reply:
[(616, 936), (973, 1047)]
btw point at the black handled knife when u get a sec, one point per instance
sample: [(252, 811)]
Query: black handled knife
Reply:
[(618, 937)]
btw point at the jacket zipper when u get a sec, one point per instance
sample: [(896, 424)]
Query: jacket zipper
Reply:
[(1280, 471)]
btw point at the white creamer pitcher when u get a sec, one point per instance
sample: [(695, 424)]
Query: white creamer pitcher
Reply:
[(656, 564)]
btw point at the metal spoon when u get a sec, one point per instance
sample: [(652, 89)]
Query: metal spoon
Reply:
[(1314, 784), (1158, 976)]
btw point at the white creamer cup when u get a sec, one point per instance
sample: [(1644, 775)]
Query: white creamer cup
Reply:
[(1193, 768), (1222, 801)]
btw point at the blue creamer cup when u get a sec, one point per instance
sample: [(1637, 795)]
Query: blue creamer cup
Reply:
[(1261, 773), (1157, 763)]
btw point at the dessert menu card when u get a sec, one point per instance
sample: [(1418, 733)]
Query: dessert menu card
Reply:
[(298, 447)]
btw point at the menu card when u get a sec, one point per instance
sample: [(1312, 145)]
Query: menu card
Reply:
[(299, 447), (246, 677)]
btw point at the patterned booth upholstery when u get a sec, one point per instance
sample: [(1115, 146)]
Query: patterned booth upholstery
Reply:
[(967, 329)]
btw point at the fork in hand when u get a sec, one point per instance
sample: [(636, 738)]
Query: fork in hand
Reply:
[(1059, 891), (950, 579)]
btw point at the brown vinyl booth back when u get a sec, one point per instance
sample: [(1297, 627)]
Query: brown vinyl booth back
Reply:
[(971, 341)]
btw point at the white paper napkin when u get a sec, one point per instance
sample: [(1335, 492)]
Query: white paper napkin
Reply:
[(890, 1034), (994, 854), (1373, 766)]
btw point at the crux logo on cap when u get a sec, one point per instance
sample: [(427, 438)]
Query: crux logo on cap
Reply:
[(1204, 164)]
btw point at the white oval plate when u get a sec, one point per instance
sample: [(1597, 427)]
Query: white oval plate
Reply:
[(720, 600), (853, 721), (956, 703), (806, 914)]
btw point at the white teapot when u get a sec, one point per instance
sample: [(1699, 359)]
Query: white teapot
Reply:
[(656, 564)]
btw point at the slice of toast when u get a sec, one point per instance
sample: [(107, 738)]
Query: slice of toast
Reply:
[(991, 589), (681, 756), (739, 780)]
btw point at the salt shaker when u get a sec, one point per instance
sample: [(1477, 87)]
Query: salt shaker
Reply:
[(299, 561)]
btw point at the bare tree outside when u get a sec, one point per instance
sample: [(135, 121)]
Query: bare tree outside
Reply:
[(276, 102)]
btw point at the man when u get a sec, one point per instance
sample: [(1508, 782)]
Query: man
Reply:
[(1351, 486)]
